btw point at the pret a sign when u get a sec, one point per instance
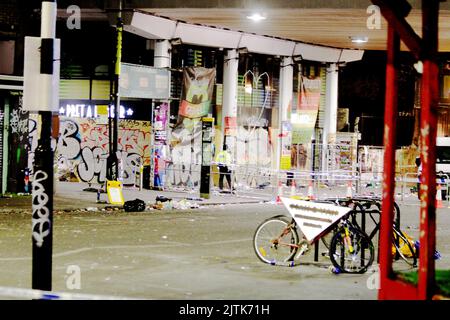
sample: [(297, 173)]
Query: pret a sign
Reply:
[(314, 218), (80, 110)]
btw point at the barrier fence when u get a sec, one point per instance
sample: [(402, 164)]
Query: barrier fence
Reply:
[(335, 168)]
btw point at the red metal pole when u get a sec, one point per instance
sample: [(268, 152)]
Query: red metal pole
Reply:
[(395, 12), (428, 125), (390, 117)]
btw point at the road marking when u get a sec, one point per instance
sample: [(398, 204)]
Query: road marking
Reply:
[(171, 244), (221, 242)]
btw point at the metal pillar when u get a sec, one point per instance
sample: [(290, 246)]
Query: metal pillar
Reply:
[(390, 119), (428, 127), (205, 174), (426, 49), (42, 185), (112, 161)]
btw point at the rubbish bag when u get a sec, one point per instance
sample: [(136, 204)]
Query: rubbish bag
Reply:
[(136, 205), (162, 199)]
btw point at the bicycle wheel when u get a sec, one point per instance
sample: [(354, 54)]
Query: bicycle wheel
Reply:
[(326, 239), (275, 240), (356, 261), (404, 248)]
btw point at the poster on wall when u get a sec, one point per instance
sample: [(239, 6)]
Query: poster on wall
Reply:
[(160, 121), (18, 145), (301, 156), (102, 112), (230, 126), (343, 154), (371, 160), (285, 161), (198, 87), (343, 115), (160, 118), (304, 119)]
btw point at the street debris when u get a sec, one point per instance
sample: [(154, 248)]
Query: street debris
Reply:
[(184, 205), (164, 203), (136, 205)]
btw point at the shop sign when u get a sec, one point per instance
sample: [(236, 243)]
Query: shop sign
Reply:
[(138, 81), (91, 111)]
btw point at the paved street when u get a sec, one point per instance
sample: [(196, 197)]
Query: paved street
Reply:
[(203, 253)]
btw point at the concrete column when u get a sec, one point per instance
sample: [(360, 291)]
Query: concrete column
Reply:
[(230, 87), (331, 106), (285, 99), (331, 102), (162, 55), (162, 59)]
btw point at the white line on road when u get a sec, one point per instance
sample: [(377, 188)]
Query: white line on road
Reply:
[(144, 246)]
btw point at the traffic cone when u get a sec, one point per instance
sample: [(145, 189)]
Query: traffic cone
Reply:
[(349, 193), (293, 188), (439, 197), (279, 192), (310, 190)]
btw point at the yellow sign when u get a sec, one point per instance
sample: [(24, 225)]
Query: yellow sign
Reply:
[(114, 189), (102, 109), (285, 163), (102, 112)]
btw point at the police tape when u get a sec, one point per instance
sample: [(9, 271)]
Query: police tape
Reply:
[(24, 294)]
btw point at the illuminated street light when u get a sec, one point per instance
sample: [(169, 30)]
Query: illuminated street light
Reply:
[(256, 17)]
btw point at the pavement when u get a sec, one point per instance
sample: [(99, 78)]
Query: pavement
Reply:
[(71, 196)]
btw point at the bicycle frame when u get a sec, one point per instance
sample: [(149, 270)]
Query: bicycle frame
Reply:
[(344, 222)]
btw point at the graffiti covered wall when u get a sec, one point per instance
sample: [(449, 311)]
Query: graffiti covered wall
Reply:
[(183, 167), (18, 146), (82, 149), (184, 163)]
